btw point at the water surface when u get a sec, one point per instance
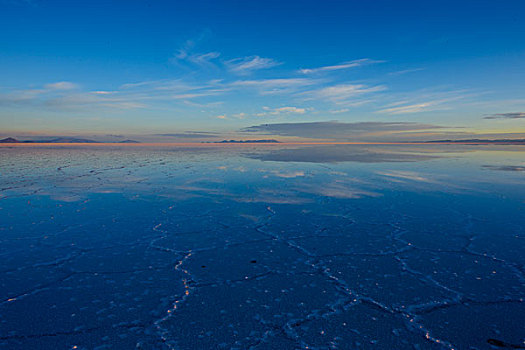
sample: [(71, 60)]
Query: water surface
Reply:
[(259, 247)]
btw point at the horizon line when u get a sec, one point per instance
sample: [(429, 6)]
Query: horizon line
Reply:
[(245, 144)]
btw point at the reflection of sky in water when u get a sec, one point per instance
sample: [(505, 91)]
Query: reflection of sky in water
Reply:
[(265, 247)]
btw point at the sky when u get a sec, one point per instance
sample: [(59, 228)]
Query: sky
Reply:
[(180, 71)]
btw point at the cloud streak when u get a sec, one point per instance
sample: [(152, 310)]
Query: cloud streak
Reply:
[(61, 85), (336, 130), (340, 66), (512, 115), (340, 153), (428, 102), (249, 64), (190, 135), (342, 93)]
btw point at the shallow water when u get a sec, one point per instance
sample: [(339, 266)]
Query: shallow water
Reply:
[(262, 247)]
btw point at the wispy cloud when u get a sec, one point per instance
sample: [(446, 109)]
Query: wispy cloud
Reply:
[(344, 93), (413, 108), (61, 85), (274, 86), (405, 175), (187, 53), (512, 115), (426, 102), (414, 177), (343, 65), (518, 168), (81, 100), (189, 135), (249, 64), (153, 94), (287, 175), (405, 71), (274, 83), (200, 59), (337, 111), (336, 130), (283, 110)]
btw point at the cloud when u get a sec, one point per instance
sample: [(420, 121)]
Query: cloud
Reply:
[(87, 100), (413, 108), (223, 116), (249, 64), (282, 110), (425, 102), (200, 59), (203, 59), (61, 85), (186, 52), (512, 115), (338, 190), (157, 93), (405, 175), (204, 93), (518, 168), (335, 129), (274, 83), (339, 153), (337, 111), (190, 135), (240, 115), (342, 93), (102, 92), (405, 71), (274, 86), (343, 65), (287, 175), (290, 110)]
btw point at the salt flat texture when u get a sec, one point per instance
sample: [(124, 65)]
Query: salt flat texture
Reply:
[(254, 247)]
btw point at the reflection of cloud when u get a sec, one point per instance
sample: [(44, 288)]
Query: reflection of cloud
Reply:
[(422, 181), (405, 175), (273, 199), (505, 167), (340, 153), (273, 196), (338, 190), (287, 175), (513, 115), (334, 129)]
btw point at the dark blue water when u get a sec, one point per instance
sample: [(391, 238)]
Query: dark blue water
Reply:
[(281, 247)]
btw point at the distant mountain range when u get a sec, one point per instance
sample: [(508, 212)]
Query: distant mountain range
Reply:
[(128, 141), (481, 141), (246, 141), (80, 140), (60, 140)]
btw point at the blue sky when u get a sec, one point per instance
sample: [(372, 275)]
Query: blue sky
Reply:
[(404, 69)]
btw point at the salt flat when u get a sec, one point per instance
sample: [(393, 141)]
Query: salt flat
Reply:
[(257, 247)]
